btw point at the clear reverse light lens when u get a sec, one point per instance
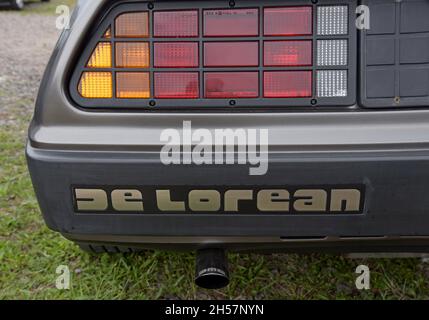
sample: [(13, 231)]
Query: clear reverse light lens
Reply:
[(332, 52), (332, 20), (331, 83)]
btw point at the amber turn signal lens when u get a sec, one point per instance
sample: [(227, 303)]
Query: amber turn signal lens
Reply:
[(132, 54), (96, 85), (101, 57), (132, 25), (107, 34), (132, 85)]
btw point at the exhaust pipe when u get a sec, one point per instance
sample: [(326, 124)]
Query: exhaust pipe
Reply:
[(211, 269)]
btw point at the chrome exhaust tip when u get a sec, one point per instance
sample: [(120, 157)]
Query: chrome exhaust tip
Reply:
[(211, 269)]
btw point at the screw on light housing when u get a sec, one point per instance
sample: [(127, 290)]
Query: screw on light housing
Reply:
[(397, 100)]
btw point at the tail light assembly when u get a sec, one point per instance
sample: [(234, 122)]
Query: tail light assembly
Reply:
[(219, 54)]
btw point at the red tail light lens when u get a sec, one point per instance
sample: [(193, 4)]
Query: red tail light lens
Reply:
[(231, 54), (175, 55), (287, 53), (231, 23), (175, 24), (176, 85), (287, 84), (288, 21), (231, 85)]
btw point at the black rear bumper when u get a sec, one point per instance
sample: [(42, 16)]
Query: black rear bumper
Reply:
[(395, 215)]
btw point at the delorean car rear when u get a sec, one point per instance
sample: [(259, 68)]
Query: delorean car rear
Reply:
[(346, 110)]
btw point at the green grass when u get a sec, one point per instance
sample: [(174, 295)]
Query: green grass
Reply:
[(30, 254)]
